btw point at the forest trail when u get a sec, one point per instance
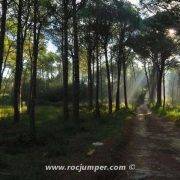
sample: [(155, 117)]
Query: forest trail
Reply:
[(154, 148)]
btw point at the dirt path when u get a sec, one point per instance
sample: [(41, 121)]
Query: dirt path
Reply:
[(154, 149)]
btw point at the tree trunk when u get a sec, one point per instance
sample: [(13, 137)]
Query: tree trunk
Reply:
[(112, 79), (164, 92), (121, 64), (109, 80), (19, 65), (76, 65), (90, 78), (159, 89), (153, 84), (36, 36), (93, 74), (160, 73), (97, 110), (2, 36), (125, 83), (65, 60), (172, 89), (101, 79), (5, 60), (147, 78), (118, 83), (30, 89)]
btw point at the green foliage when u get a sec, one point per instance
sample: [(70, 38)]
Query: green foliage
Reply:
[(49, 93), (172, 113)]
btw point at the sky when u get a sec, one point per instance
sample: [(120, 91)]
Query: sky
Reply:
[(132, 1), (52, 48), (136, 2)]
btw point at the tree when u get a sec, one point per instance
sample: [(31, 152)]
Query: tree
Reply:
[(75, 63), (106, 33), (65, 58), (119, 66), (39, 21), (4, 5), (90, 48), (97, 106), (124, 65), (159, 48), (19, 63), (36, 37), (128, 21)]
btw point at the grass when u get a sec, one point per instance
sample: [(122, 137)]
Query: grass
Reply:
[(172, 113), (57, 142), (7, 111)]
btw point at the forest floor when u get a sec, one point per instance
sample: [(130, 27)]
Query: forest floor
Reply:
[(58, 142), (153, 147), (145, 140)]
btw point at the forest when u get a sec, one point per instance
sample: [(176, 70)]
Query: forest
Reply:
[(89, 82)]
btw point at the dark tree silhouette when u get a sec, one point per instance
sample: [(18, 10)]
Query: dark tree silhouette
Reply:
[(4, 5), (19, 63), (65, 58), (75, 64)]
